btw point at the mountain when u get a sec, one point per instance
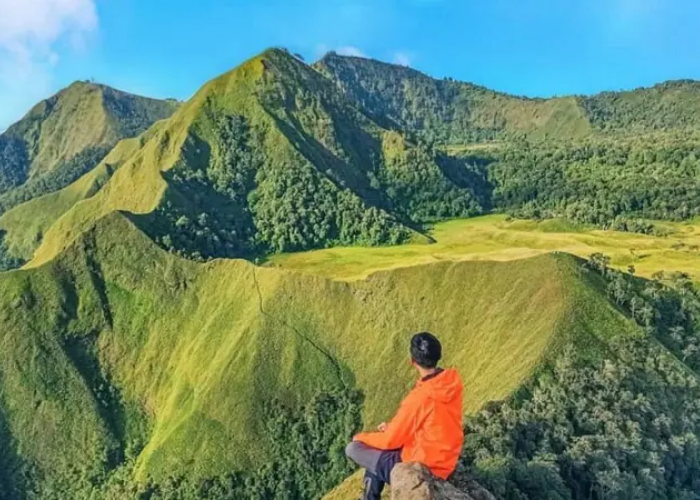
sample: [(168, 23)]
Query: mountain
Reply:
[(269, 157), (447, 110), (457, 112), (143, 358), (129, 371), (66, 135), (279, 156), (22, 227), (118, 351)]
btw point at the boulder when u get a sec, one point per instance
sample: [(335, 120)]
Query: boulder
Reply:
[(413, 481)]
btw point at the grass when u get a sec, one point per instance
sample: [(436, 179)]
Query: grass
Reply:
[(493, 238), (26, 224), (199, 347), (194, 350), (81, 116)]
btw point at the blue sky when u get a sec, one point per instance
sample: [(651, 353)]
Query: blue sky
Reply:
[(168, 48)]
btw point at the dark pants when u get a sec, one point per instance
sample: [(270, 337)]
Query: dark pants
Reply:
[(378, 465)]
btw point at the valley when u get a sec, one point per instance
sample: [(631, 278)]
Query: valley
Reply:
[(205, 300), (499, 238)]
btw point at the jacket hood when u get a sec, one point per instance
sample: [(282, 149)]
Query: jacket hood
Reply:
[(444, 387)]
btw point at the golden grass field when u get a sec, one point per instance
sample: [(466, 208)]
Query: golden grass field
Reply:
[(494, 238)]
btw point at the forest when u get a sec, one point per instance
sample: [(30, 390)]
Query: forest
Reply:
[(619, 426), (308, 445), (601, 181), (622, 184)]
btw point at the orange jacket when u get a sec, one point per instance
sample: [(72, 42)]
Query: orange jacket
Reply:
[(428, 425)]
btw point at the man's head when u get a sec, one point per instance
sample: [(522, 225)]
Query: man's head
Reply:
[(426, 350)]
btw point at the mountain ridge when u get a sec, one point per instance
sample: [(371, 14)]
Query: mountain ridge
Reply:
[(125, 289), (289, 161), (328, 167), (146, 355), (674, 82), (465, 112), (67, 134)]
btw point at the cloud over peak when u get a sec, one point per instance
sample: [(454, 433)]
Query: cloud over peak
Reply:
[(350, 50), (402, 59)]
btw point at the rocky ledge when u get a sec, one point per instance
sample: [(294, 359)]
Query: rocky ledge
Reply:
[(413, 481)]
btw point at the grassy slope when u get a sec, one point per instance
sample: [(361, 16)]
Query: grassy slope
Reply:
[(139, 186), (492, 238), (458, 112), (290, 142), (189, 343), (64, 125), (81, 116), (26, 224), (450, 110), (190, 346)]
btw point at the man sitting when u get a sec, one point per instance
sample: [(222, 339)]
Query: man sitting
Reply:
[(427, 427)]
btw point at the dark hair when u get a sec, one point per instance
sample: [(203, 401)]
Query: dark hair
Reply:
[(426, 350)]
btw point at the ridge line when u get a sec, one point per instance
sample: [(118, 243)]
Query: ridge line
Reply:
[(302, 336)]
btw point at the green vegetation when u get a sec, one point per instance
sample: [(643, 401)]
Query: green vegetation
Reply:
[(606, 182), (622, 427), (607, 160), (669, 105), (609, 415), (128, 371), (122, 359), (447, 111), (499, 238), (24, 226), (67, 135), (7, 261), (277, 156), (64, 174), (271, 157), (307, 457), (452, 112)]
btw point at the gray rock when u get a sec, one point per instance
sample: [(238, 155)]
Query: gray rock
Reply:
[(413, 481)]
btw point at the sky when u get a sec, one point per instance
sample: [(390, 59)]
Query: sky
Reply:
[(169, 48)]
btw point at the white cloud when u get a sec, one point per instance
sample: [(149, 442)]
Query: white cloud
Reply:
[(350, 50), (402, 59), (346, 50), (29, 33)]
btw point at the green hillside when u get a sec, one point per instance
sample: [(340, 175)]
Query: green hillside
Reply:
[(272, 157), (447, 110), (119, 349), (275, 157), (456, 112), (605, 159), (498, 238), (141, 361), (669, 105), (68, 134), (25, 225)]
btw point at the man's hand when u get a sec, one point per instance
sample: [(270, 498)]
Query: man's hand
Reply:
[(381, 427)]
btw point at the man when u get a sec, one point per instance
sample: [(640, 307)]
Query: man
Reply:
[(427, 427)]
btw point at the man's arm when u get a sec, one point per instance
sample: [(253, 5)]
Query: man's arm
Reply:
[(399, 430)]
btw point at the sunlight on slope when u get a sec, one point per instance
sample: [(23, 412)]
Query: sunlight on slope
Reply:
[(139, 186), (201, 347), (493, 238), (26, 224)]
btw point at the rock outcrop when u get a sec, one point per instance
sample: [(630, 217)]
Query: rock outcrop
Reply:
[(413, 481)]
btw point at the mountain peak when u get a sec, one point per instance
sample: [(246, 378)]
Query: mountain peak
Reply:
[(67, 134)]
